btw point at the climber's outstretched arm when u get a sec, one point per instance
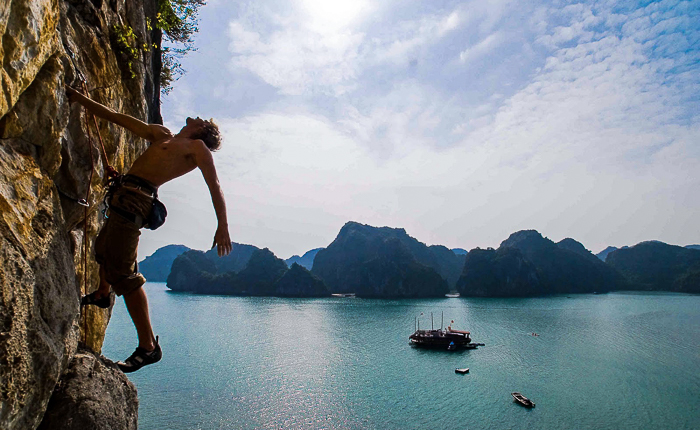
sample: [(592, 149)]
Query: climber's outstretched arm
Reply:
[(150, 132), (205, 162)]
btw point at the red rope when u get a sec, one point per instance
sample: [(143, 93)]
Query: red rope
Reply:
[(87, 198), (109, 172), (85, 221)]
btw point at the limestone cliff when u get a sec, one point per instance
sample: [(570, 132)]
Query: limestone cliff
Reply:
[(528, 264), (45, 168), (658, 266), (384, 262), (247, 271)]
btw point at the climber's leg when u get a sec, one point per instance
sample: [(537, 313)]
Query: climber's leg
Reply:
[(137, 305), (104, 288), (148, 351)]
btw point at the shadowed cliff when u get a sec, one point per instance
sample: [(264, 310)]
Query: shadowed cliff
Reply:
[(657, 266), (156, 267), (260, 274), (384, 262), (527, 264)]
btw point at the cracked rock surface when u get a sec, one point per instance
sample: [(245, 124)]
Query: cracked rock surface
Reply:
[(45, 167), (93, 394)]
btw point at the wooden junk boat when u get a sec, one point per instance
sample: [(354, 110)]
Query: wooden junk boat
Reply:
[(523, 400), (448, 338)]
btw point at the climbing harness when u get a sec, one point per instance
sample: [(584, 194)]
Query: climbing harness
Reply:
[(157, 214)]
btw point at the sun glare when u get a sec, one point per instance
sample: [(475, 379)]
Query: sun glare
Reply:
[(330, 16)]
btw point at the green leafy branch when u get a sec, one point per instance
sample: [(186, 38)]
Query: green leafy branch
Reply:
[(178, 21), (127, 44)]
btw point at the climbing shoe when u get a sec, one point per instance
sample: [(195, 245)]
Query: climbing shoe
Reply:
[(102, 302), (141, 358)]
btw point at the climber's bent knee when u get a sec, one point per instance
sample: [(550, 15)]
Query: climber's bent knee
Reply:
[(128, 284)]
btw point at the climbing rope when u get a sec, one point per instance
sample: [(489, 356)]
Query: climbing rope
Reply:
[(109, 170), (87, 198)]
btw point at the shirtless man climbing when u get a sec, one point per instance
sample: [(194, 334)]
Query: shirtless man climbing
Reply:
[(131, 200)]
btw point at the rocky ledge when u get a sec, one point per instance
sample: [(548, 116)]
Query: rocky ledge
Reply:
[(93, 394)]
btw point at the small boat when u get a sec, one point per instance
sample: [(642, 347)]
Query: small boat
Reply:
[(462, 371), (452, 295), (344, 295), (523, 400)]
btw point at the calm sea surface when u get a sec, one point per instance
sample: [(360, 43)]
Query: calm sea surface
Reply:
[(612, 361)]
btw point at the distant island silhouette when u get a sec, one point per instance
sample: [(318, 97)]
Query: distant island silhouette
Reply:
[(384, 262)]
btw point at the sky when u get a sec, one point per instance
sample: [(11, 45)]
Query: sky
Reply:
[(460, 121)]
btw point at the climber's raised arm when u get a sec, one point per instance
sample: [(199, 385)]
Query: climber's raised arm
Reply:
[(150, 132)]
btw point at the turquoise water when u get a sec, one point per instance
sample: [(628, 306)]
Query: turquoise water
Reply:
[(608, 361)]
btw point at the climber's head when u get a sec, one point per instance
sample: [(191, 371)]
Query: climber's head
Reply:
[(207, 131)]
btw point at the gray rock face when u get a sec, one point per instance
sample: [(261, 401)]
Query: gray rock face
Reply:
[(93, 394), (45, 167)]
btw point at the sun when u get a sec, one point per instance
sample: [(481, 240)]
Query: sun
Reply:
[(336, 15)]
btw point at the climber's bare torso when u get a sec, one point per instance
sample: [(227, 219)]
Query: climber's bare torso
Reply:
[(166, 159), (168, 156)]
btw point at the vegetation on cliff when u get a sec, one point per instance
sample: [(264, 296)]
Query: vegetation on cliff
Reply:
[(299, 282), (383, 262), (178, 21), (569, 268), (527, 264), (499, 273), (263, 274), (659, 267)]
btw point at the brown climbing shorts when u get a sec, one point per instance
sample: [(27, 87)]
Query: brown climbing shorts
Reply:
[(117, 244)]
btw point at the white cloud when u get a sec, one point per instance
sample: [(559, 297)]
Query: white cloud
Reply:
[(297, 61), (450, 23), (577, 122), (406, 39), (580, 19), (302, 57), (484, 47)]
